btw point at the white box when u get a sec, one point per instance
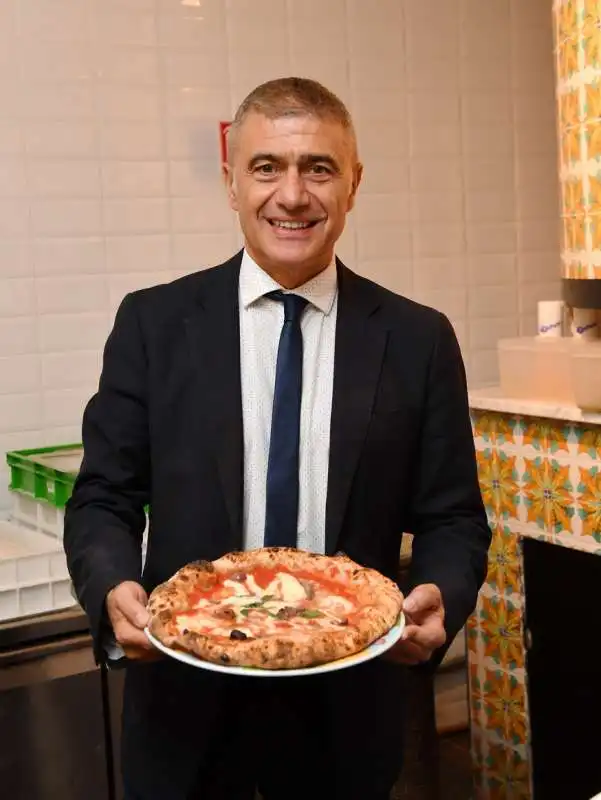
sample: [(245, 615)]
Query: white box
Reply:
[(37, 514), (33, 573)]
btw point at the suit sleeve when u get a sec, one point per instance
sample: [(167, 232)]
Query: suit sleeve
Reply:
[(451, 531), (105, 518)]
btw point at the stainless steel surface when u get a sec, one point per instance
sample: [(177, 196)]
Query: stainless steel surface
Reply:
[(19, 632), (55, 726)]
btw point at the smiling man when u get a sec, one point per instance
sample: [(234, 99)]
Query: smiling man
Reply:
[(278, 399), (292, 179)]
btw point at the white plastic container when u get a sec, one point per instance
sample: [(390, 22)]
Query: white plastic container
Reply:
[(37, 515), (585, 374), (33, 573), (536, 368)]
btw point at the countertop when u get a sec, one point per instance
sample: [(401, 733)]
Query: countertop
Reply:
[(491, 398)]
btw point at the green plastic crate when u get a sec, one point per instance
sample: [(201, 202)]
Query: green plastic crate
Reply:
[(45, 473)]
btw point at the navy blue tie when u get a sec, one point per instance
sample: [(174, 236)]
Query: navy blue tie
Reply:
[(281, 509)]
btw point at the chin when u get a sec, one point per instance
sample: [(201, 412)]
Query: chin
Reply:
[(293, 252)]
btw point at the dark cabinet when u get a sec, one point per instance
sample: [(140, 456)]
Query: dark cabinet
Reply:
[(59, 714), (563, 669)]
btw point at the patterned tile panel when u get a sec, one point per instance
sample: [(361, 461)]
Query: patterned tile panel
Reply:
[(542, 479), (578, 83)]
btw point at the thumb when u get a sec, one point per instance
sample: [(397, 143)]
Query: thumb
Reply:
[(425, 597), (131, 602)]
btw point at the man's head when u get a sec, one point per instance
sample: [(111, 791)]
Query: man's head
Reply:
[(292, 175)]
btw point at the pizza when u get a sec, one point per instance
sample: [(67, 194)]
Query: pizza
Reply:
[(273, 608)]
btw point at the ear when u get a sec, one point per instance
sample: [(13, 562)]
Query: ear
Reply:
[(357, 175), (228, 177)]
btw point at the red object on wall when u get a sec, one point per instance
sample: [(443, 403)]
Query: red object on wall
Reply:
[(224, 128)]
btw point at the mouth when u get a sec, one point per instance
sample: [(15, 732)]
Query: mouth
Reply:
[(293, 225)]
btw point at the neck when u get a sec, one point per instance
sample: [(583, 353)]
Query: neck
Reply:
[(291, 276)]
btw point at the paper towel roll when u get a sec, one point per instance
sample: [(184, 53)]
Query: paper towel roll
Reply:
[(584, 323), (550, 318)]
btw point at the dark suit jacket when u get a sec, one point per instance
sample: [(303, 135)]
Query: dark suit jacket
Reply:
[(165, 428)]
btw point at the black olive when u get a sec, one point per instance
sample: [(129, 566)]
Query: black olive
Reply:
[(238, 635), (225, 658)]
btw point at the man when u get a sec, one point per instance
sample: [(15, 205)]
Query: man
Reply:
[(193, 412)]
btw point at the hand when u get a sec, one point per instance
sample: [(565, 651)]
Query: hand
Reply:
[(126, 607), (424, 626)]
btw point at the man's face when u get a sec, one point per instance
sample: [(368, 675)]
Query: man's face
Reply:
[(292, 181)]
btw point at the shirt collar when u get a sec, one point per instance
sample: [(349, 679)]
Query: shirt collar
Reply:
[(255, 283)]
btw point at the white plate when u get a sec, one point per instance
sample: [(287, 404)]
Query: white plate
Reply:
[(374, 650)]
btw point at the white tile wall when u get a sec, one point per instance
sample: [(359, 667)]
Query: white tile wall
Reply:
[(109, 173)]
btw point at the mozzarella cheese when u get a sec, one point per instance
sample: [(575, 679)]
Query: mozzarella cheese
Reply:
[(286, 587), (240, 600), (335, 603), (202, 603), (199, 623), (254, 588), (237, 587)]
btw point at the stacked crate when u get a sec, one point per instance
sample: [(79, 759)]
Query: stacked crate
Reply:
[(33, 568), (41, 482)]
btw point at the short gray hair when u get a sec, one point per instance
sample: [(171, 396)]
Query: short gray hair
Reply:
[(291, 97)]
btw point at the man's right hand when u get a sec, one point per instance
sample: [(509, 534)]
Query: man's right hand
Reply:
[(126, 607)]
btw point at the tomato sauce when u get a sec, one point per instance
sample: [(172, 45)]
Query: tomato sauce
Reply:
[(263, 577)]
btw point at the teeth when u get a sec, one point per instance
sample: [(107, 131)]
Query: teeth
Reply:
[(290, 225)]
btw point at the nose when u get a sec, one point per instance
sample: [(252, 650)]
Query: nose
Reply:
[(292, 193)]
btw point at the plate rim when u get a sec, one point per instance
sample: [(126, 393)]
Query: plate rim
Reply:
[(374, 650)]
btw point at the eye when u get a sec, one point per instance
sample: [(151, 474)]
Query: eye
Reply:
[(320, 170), (265, 170)]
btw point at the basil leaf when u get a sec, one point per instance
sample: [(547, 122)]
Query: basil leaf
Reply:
[(310, 613), (255, 607)]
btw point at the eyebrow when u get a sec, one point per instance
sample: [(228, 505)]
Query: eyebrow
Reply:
[(304, 161)]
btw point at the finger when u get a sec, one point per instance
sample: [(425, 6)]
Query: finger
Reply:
[(423, 599), (131, 605), (408, 653), (429, 636), (128, 635), (142, 654)]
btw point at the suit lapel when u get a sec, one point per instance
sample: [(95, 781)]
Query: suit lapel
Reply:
[(360, 345), (214, 336)]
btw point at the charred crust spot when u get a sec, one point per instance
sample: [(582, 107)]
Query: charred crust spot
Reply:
[(207, 566), (236, 555), (225, 658)]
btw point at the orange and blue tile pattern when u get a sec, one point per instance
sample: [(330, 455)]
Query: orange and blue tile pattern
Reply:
[(539, 478)]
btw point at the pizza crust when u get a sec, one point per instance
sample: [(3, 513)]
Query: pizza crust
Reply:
[(377, 598)]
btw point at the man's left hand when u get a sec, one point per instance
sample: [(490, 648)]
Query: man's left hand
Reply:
[(424, 626)]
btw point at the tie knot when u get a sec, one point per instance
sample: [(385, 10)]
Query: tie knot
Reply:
[(294, 305)]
